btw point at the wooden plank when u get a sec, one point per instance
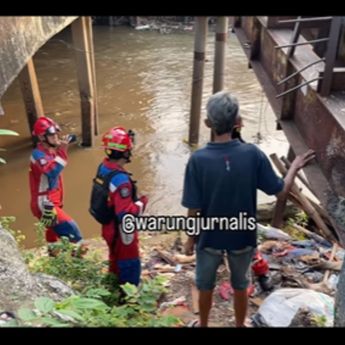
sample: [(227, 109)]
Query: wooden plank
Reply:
[(310, 234), (166, 257), (308, 208), (331, 258), (31, 93), (85, 80), (299, 175)]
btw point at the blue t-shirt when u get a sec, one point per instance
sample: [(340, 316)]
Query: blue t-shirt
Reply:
[(222, 180)]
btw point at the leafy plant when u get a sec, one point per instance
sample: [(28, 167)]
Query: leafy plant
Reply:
[(100, 301), (89, 310), (301, 218), (80, 273), (17, 234), (319, 320), (6, 132), (40, 233), (143, 301)]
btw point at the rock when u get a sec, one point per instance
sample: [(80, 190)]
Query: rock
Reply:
[(15, 280), (18, 286), (52, 286)]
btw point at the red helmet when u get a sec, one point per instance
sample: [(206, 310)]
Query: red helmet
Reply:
[(117, 139), (44, 125)]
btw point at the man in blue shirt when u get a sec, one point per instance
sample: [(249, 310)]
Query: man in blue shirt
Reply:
[(221, 180)]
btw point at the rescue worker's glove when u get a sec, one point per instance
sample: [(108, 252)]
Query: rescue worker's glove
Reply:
[(49, 215)]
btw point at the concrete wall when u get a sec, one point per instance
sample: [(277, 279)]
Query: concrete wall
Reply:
[(20, 38)]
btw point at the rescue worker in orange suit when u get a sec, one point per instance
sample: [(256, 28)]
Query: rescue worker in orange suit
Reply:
[(260, 266), (48, 160), (124, 259)]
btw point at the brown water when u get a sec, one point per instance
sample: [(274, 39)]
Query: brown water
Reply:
[(144, 83)]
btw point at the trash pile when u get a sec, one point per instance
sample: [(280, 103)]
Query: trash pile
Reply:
[(310, 263), (303, 275), (304, 264)]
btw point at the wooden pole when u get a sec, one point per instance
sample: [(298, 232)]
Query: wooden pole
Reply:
[(85, 79), (331, 258), (310, 234), (31, 93), (198, 75), (307, 206), (93, 68), (301, 178), (219, 56)]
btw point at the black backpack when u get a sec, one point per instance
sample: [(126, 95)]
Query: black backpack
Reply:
[(99, 208)]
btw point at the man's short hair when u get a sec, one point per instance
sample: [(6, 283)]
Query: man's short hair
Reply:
[(222, 110)]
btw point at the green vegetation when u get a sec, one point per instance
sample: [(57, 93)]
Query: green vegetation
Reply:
[(99, 301)]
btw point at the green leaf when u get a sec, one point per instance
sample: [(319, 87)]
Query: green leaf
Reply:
[(48, 321), (99, 292), (44, 304), (129, 289), (148, 308), (26, 314), (7, 132), (2, 161), (89, 303), (171, 320), (11, 323), (71, 313)]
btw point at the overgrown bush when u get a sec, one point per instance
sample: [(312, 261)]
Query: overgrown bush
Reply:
[(89, 310), (17, 234), (81, 274), (99, 300)]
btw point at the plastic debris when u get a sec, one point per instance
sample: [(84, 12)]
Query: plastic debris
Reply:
[(332, 281), (270, 232), (178, 268), (280, 307)]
